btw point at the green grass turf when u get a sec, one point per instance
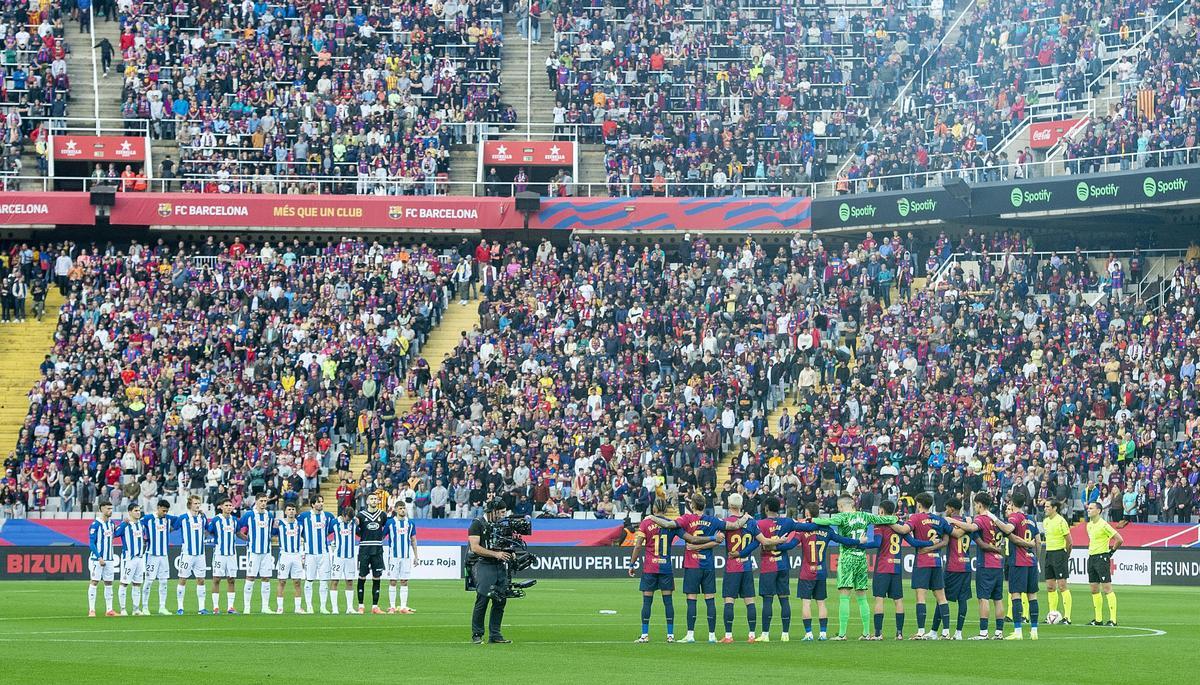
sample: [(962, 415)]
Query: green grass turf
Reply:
[(560, 636)]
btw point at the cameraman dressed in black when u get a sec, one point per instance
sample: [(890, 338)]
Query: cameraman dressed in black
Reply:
[(491, 575)]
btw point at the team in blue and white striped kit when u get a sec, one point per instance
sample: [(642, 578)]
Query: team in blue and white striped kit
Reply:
[(314, 547)]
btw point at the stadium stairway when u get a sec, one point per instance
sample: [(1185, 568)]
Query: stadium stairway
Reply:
[(789, 403), (515, 76), (441, 342), (23, 346)]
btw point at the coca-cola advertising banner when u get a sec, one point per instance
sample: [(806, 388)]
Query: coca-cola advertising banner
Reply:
[(45, 209), (1046, 134), (528, 153), (72, 148)]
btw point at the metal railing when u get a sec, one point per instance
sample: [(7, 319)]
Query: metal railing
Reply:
[(1154, 257), (371, 184)]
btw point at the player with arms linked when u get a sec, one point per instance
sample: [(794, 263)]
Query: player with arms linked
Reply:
[(958, 565), (774, 567), (100, 559), (657, 573), (1022, 575), (739, 574), (851, 523), (887, 583), (702, 533), (812, 584), (990, 533), (929, 573), (224, 528)]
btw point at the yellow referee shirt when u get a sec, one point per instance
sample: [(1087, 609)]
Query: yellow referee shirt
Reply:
[(1057, 532), (1099, 533)]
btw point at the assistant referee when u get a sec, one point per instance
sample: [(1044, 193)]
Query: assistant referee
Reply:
[(1103, 540), (1058, 557), (490, 573)]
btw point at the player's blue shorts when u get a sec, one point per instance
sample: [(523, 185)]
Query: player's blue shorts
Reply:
[(889, 585), (770, 584), (699, 581), (657, 581), (812, 589), (958, 586), (1023, 579), (989, 583), (929, 578), (739, 584)]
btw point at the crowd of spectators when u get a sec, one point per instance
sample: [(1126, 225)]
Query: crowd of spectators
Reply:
[(35, 88), (263, 97), (1007, 58), (603, 375), (1153, 120), (728, 94), (218, 370)]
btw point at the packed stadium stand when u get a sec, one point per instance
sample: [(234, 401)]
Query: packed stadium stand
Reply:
[(585, 375), (601, 375)]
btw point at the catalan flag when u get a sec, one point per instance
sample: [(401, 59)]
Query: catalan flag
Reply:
[(1145, 103)]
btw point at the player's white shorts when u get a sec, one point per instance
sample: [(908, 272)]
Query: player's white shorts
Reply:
[(192, 566), (317, 567), (225, 566), (101, 573), (158, 568), (259, 565), (344, 569), (290, 567), (133, 570), (398, 569)]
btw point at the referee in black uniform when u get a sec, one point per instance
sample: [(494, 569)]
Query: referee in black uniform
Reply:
[(370, 524), (490, 573)]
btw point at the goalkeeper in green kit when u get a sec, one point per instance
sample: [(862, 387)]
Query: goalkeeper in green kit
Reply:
[(852, 561)]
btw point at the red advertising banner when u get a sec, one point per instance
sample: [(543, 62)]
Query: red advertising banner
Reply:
[(1046, 134), (72, 148), (44, 209), (528, 153), (315, 211), (410, 213)]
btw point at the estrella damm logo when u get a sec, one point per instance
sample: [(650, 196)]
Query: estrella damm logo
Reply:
[(902, 206), (165, 209), (1149, 187), (1081, 192), (395, 212), (844, 212), (1016, 197)]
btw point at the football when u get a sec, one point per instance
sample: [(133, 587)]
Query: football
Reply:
[(1053, 618)]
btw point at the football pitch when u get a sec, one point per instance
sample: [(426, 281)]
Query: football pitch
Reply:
[(560, 635)]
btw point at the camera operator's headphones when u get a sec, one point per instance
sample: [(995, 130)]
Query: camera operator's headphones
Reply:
[(496, 505)]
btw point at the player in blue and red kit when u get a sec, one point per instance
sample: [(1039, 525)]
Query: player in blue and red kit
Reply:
[(813, 541), (958, 565), (887, 581), (657, 572), (774, 567), (739, 574), (929, 572), (702, 533), (1023, 572), (989, 532)]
